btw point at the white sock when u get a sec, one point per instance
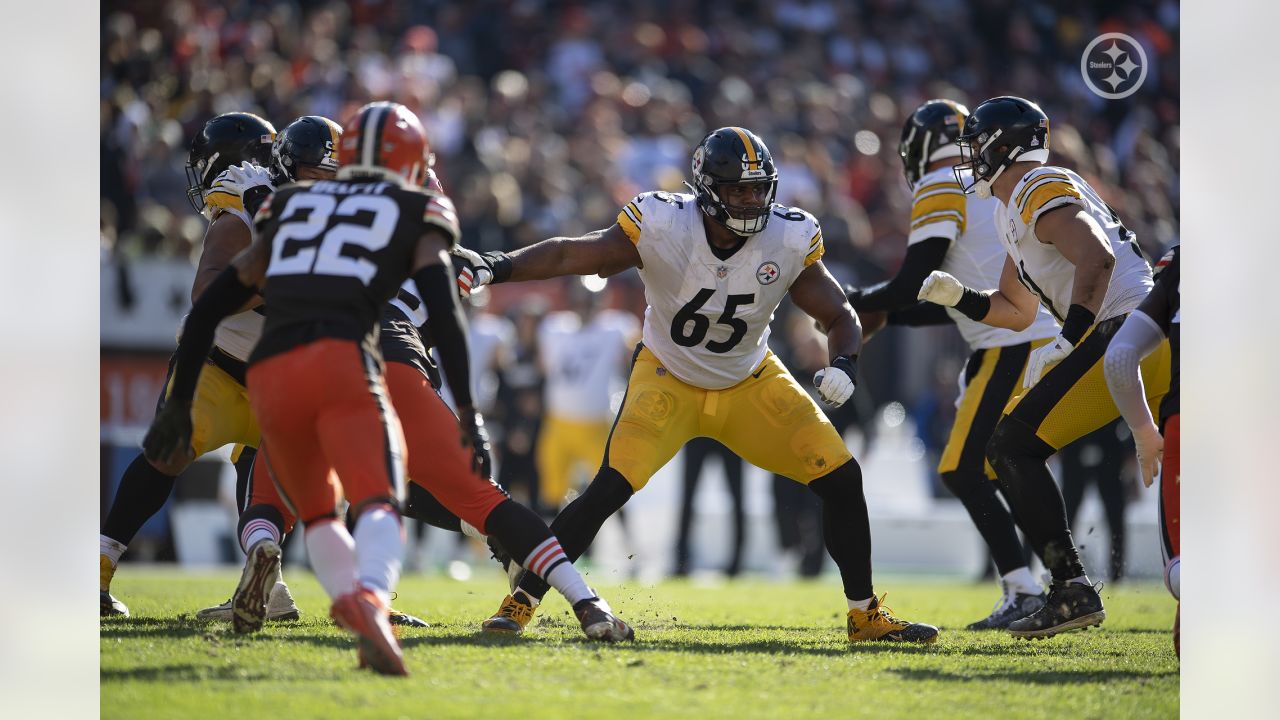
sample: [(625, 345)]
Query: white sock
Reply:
[(257, 530), (549, 562), (332, 554), (472, 531), (861, 604), (1021, 580), (112, 548), (379, 550), (1173, 577)]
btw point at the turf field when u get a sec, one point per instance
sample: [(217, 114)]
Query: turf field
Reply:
[(747, 649)]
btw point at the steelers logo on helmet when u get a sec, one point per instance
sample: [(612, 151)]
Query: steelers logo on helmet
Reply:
[(733, 161)]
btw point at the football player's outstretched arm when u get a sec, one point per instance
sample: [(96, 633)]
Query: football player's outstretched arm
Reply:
[(1011, 306), (600, 252), (1080, 240)]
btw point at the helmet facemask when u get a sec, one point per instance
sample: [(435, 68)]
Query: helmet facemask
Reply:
[(743, 220)]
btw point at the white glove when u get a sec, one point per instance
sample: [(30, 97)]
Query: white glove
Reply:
[(1150, 447), (239, 178), (941, 288), (835, 382), (474, 272), (1043, 357)]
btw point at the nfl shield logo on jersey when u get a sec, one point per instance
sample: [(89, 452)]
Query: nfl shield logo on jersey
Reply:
[(767, 272)]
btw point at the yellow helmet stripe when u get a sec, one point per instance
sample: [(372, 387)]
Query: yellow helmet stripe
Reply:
[(751, 148)]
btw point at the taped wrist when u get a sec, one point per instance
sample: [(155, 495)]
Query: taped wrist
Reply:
[(847, 363), (447, 326), (973, 304), (223, 297), (501, 264), (1079, 320)]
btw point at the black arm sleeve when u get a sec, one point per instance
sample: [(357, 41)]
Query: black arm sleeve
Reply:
[(922, 258), (922, 313), (447, 326), (223, 297)]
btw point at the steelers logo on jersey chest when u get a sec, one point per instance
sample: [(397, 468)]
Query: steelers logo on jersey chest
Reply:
[(767, 272)]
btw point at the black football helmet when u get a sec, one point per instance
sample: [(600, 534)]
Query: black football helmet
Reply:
[(1000, 132), (309, 141), (226, 140), (930, 134), (733, 156)]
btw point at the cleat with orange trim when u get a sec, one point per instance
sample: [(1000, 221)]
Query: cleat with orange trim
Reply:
[(877, 622), (513, 615), (362, 613)]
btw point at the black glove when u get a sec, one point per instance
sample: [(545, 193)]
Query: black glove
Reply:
[(475, 437), (170, 432)]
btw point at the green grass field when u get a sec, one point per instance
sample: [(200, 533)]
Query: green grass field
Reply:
[(747, 649)]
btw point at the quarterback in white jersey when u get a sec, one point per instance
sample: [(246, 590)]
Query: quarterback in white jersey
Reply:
[(955, 233), (1070, 253), (715, 265)]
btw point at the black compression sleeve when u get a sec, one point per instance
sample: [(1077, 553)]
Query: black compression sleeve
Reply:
[(223, 297), (922, 258), (922, 313), (448, 327)]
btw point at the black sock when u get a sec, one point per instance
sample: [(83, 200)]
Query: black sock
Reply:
[(576, 526), (1019, 458), (143, 491), (989, 515), (519, 529), (422, 505), (846, 528)]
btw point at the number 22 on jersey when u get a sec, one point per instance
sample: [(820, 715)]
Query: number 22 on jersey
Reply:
[(308, 216)]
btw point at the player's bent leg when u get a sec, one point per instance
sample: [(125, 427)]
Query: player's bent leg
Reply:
[(142, 492), (847, 532), (575, 528)]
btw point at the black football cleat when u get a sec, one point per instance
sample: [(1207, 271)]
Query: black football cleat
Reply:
[(1070, 606)]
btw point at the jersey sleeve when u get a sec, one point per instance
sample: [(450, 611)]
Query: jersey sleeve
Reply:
[(439, 213), (630, 219), (1162, 303), (1045, 189), (815, 249), (937, 210)]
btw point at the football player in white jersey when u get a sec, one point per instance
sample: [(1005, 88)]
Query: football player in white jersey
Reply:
[(954, 232), (1068, 251), (715, 265), (229, 153), (583, 352)]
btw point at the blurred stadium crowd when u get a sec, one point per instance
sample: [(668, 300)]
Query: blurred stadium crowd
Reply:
[(547, 116)]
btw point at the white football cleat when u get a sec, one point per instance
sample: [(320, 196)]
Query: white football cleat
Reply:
[(280, 606)]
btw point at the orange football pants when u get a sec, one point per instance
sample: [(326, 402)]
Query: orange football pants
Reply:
[(329, 427), (437, 459), (1171, 487)]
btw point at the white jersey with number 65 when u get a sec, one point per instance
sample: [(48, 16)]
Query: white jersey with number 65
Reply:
[(708, 319)]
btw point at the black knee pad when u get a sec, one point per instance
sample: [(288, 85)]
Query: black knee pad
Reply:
[(840, 486), (1014, 440)]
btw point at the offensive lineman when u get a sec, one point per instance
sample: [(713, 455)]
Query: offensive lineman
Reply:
[(329, 257), (1068, 251), (715, 265), (953, 232)]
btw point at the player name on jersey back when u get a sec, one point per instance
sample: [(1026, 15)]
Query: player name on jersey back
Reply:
[(707, 319), (339, 251), (1042, 268)]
